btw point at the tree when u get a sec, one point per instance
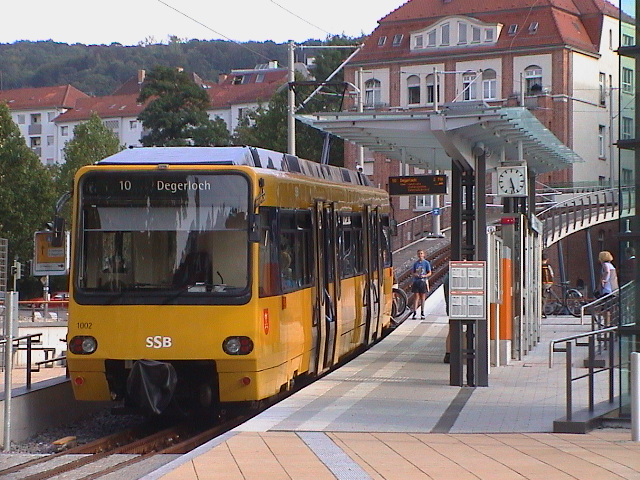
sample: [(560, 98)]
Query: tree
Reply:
[(92, 141), (27, 193), (177, 112)]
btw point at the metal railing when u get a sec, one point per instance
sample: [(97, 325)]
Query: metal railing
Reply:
[(417, 228), (609, 335), (28, 343), (585, 210)]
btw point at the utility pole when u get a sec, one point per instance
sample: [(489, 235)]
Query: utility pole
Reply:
[(291, 98)]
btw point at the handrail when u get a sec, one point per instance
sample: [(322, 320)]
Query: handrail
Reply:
[(584, 210), (30, 338), (569, 379)]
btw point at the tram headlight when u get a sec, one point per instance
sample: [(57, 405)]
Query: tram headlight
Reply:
[(237, 345), (83, 345)]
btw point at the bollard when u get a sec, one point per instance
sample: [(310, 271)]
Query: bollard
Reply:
[(635, 397)]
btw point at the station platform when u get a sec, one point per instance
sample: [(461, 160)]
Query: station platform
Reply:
[(391, 414)]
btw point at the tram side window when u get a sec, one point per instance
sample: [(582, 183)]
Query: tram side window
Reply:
[(351, 251), (295, 249), (268, 256), (386, 244)]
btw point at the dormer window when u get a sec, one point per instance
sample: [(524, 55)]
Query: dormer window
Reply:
[(533, 28), (462, 32), (237, 80), (397, 39), (475, 34), (431, 38), (513, 29), (445, 34), (382, 40), (454, 31)]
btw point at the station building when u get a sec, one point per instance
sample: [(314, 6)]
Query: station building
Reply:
[(557, 58)]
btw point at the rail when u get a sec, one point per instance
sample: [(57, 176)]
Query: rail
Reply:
[(610, 334), (584, 210)]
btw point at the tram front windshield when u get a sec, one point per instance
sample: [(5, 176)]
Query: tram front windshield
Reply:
[(164, 233)]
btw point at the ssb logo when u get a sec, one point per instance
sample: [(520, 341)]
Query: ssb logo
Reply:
[(158, 342)]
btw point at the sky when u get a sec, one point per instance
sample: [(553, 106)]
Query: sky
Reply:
[(132, 21)]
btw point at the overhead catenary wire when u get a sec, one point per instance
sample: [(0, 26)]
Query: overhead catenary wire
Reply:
[(211, 29), (300, 18)]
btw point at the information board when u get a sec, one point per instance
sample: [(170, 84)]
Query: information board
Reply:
[(418, 185), (47, 259), (467, 290)]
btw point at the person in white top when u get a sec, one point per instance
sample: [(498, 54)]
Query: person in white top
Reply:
[(608, 276)]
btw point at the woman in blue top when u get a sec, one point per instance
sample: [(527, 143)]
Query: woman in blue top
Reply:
[(421, 272)]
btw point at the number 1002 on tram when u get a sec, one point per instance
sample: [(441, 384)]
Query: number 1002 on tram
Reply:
[(209, 276)]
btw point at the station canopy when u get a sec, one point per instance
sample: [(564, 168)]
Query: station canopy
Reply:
[(432, 139)]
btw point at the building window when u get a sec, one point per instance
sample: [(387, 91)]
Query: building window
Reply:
[(260, 78), (431, 93), (424, 202), (397, 39), (627, 177), (35, 118), (626, 129), (462, 32), (602, 88), (133, 124), (49, 140), (382, 40), (488, 34), (444, 32), (112, 125), (419, 40), (237, 80), (469, 86), (64, 131), (20, 119), (627, 80), (627, 40), (413, 90), (513, 29), (489, 84), (533, 28), (533, 80), (601, 144), (431, 38), (35, 142), (372, 92), (475, 34)]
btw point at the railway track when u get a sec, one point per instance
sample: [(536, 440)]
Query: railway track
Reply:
[(115, 453)]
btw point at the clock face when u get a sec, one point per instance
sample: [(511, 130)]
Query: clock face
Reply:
[(512, 181)]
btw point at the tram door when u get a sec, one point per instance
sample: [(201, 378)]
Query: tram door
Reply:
[(373, 275), (326, 261)]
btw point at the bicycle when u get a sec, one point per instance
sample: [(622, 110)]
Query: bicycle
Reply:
[(571, 300)]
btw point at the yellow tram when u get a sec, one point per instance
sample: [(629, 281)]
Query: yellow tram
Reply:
[(202, 276)]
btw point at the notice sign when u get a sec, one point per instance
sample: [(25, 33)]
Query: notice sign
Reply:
[(467, 293), (47, 259), (418, 185)]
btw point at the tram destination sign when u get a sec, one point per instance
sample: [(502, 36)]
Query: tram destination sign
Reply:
[(418, 185)]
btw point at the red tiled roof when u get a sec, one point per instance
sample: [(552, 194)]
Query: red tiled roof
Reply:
[(106, 107), (415, 9), (560, 22), (225, 94), (63, 96)]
